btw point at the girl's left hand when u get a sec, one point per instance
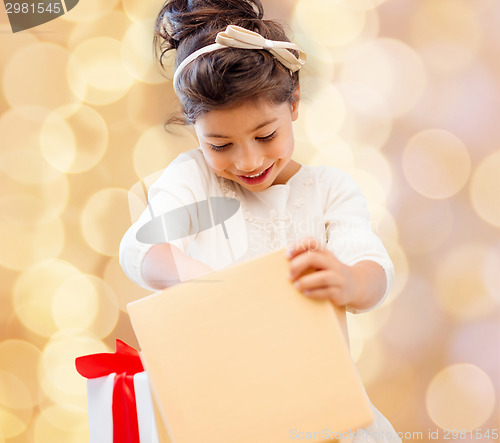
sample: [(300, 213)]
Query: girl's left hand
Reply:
[(317, 273)]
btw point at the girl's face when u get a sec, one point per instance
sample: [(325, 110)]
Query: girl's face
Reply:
[(251, 144)]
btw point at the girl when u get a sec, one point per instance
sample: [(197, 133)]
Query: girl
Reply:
[(237, 78)]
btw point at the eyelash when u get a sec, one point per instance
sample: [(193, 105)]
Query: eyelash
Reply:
[(265, 139), (219, 148)]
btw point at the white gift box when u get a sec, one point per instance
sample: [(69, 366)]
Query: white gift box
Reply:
[(100, 408)]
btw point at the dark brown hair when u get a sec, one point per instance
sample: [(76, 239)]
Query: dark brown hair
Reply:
[(227, 77)]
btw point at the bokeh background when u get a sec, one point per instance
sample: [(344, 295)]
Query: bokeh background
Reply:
[(402, 94)]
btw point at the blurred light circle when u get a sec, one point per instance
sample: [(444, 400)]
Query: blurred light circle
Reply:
[(371, 187), (75, 303), (460, 283), (426, 163), (330, 23), (464, 347), (13, 392), (388, 67), (335, 153), (137, 55), (446, 33), (111, 24), (85, 301), (373, 162), (105, 218), (57, 142), (325, 114), (33, 204), (89, 10), (20, 156), (145, 11), (310, 87), (304, 151), (319, 58), (369, 324), (12, 45), (368, 120), (125, 289), (45, 430), (21, 358), (156, 148), (58, 377), (410, 311), (460, 397), (34, 292), (490, 271), (74, 141), (14, 421), (372, 361), (97, 63), (356, 338), (485, 189), (145, 103), (362, 4), (371, 30), (35, 75), (67, 417), (24, 245), (384, 224), (476, 123), (481, 5), (424, 224)]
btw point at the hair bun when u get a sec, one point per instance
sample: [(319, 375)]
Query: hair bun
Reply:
[(179, 19)]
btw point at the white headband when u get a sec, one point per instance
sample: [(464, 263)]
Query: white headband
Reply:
[(238, 37)]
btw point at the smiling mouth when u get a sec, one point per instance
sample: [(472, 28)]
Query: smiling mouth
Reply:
[(256, 178), (256, 175)]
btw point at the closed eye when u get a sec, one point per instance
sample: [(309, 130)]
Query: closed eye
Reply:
[(220, 147), (267, 137)]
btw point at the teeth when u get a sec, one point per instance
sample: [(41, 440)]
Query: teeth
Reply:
[(256, 175)]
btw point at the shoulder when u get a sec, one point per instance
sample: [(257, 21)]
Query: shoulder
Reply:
[(330, 180), (187, 169), (192, 160)]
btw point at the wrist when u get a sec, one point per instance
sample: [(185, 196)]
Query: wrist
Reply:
[(354, 285), (367, 285)]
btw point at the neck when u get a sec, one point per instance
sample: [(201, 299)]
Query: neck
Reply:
[(287, 173)]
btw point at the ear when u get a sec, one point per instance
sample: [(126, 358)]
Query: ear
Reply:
[(295, 104)]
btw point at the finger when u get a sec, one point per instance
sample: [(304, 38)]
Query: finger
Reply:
[(318, 279), (330, 293), (303, 245), (314, 260), (318, 293)]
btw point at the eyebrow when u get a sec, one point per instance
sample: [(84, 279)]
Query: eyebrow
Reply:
[(268, 122)]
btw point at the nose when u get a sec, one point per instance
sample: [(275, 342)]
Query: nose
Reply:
[(248, 159)]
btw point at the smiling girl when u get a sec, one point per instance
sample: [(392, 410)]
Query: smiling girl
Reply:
[(237, 79)]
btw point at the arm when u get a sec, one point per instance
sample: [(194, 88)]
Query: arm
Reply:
[(182, 183), (353, 262), (165, 265), (319, 274)]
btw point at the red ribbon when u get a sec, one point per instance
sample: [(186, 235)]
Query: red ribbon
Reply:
[(125, 362)]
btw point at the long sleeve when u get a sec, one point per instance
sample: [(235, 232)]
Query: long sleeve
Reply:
[(181, 184), (348, 229)]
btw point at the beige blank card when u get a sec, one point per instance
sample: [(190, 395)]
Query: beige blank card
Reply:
[(240, 356)]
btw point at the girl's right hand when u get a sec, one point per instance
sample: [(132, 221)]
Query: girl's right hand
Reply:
[(165, 265)]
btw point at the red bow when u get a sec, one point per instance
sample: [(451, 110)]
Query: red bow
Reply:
[(125, 362)]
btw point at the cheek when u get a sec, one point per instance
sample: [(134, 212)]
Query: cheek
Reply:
[(285, 149), (217, 162)]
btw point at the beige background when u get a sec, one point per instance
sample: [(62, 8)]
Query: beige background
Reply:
[(403, 94)]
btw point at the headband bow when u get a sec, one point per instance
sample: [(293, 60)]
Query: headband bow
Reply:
[(238, 37)]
